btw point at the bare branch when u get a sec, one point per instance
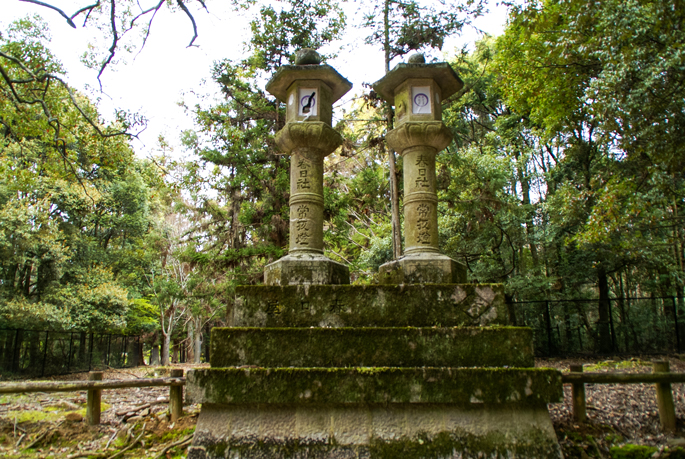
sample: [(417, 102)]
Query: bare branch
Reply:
[(88, 8), (192, 19), (115, 40), (149, 24), (47, 5)]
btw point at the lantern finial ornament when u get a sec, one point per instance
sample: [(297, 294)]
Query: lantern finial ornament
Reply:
[(417, 90)]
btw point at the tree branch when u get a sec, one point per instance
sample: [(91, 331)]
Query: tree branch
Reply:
[(115, 40), (47, 5), (88, 8), (192, 19)]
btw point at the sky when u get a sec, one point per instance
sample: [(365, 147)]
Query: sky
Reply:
[(167, 71)]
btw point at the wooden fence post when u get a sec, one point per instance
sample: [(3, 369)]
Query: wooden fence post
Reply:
[(176, 396), (94, 399), (578, 395), (664, 398)]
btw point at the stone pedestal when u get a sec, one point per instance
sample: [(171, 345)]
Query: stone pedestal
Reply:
[(338, 371)]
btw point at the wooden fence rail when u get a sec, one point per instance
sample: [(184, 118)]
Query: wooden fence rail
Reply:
[(95, 386), (660, 376)]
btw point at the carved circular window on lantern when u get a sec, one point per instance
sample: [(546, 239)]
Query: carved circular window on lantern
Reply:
[(421, 100)]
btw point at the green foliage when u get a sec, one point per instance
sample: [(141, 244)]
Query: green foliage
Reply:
[(402, 27), (74, 205), (277, 32)]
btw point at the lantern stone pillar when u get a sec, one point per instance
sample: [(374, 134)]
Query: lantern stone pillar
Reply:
[(417, 90), (309, 90)]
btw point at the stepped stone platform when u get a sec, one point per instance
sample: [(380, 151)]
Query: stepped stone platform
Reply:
[(424, 305), (336, 371)]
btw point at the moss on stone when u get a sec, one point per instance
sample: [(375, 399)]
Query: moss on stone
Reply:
[(445, 445), (378, 385), (427, 305), (391, 347)]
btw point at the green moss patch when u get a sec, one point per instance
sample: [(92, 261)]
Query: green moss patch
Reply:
[(427, 305), (378, 347), (374, 385), (630, 451)]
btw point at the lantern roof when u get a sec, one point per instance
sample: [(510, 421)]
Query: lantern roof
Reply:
[(286, 75), (442, 73)]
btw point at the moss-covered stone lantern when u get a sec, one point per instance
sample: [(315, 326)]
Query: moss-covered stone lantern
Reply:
[(417, 90), (309, 90)]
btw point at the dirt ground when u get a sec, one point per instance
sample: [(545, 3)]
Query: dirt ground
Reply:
[(135, 421)]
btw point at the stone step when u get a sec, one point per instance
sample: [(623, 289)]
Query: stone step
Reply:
[(395, 431), (428, 305), (373, 347), (312, 386)]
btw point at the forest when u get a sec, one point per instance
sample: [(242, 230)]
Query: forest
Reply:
[(565, 180)]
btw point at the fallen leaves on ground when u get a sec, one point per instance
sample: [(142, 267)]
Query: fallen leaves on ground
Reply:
[(134, 422), (618, 414)]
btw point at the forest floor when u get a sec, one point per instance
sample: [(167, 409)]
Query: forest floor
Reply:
[(623, 421)]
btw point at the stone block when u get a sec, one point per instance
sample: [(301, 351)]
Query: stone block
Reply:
[(306, 269), (423, 268), (315, 386), (447, 305), (373, 347), (379, 431)]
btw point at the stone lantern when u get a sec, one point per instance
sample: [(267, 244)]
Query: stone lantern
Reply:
[(309, 90), (417, 90)]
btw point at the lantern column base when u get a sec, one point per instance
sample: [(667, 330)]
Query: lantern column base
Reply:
[(422, 268), (302, 268)]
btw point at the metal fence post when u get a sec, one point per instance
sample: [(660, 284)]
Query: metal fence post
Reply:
[(611, 324), (15, 352), (71, 341), (578, 396), (675, 318), (90, 355), (548, 318), (109, 346), (45, 354)]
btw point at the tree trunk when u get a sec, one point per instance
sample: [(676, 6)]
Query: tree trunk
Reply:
[(197, 343), (603, 327), (190, 330), (208, 334), (166, 344), (394, 188), (82, 351)]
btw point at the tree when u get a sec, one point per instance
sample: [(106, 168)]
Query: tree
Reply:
[(597, 79), (73, 204), (245, 223), (401, 27)]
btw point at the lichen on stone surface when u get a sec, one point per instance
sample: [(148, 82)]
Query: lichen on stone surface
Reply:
[(446, 445), (372, 346), (534, 386)]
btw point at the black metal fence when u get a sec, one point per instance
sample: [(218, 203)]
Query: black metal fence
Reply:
[(46, 352), (644, 325)]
